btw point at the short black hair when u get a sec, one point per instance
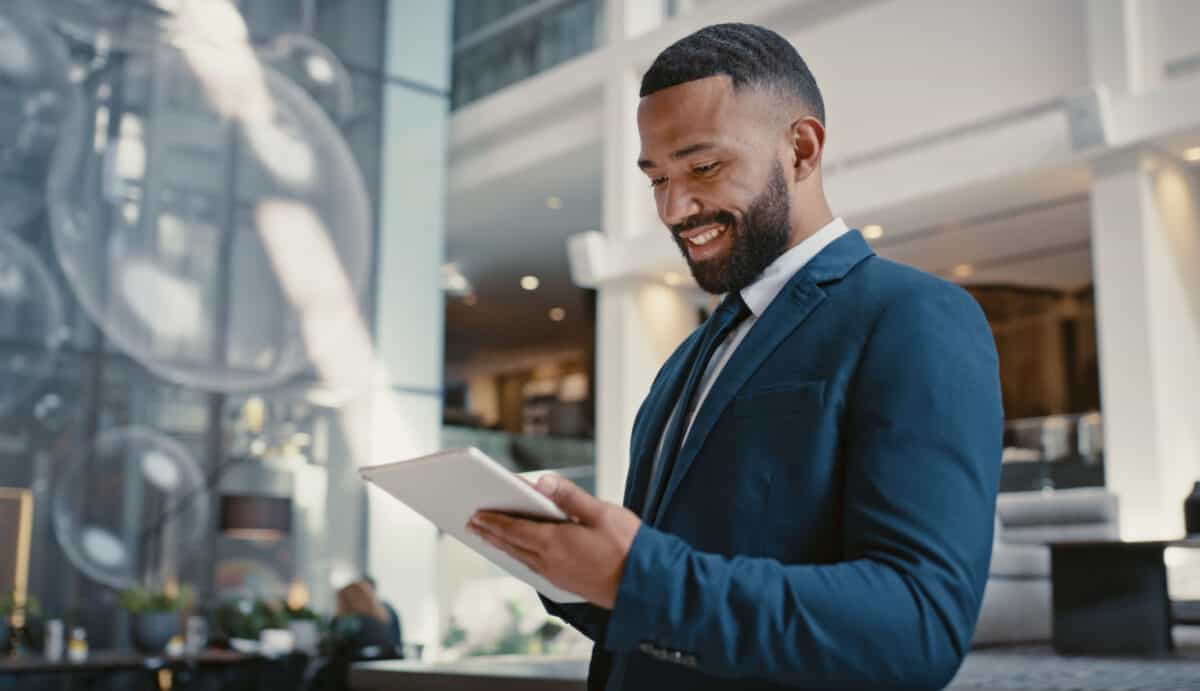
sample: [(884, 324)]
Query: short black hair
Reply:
[(750, 55)]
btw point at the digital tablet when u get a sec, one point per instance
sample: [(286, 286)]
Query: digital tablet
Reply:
[(449, 486)]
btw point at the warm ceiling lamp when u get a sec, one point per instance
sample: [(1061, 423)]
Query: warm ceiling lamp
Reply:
[(963, 271), (1192, 155), (530, 282), (873, 232), (557, 314)]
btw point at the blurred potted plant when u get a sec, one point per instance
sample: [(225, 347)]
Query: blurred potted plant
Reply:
[(242, 622), (155, 615), (6, 611), (14, 613), (235, 625)]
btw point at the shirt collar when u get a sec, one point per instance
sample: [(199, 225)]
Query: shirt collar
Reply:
[(760, 294)]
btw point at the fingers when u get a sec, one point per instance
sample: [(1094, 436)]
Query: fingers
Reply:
[(570, 498), (526, 557), (530, 536)]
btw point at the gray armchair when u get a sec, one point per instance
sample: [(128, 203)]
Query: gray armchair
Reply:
[(1017, 604)]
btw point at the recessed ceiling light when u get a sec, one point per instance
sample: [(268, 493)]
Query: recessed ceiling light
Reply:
[(1192, 155), (963, 270), (530, 282), (672, 279), (872, 232), (553, 202), (457, 282), (557, 314)]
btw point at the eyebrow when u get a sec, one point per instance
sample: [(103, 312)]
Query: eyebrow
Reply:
[(686, 151)]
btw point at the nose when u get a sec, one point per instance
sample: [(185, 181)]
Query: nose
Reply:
[(676, 203)]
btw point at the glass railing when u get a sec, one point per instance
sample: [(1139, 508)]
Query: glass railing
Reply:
[(531, 38), (574, 459)]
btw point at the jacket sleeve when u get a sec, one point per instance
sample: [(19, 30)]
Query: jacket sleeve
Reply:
[(589, 619), (921, 446)]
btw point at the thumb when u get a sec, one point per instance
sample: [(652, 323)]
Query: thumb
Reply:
[(569, 497)]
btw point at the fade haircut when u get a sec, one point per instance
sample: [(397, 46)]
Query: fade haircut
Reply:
[(750, 55)]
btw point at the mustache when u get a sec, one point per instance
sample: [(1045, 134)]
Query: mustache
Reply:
[(722, 217)]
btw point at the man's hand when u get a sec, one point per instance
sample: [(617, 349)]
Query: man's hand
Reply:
[(585, 556)]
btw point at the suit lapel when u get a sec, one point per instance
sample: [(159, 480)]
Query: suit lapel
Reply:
[(660, 403), (786, 313)]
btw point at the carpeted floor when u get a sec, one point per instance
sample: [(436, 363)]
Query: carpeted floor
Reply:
[(1037, 668)]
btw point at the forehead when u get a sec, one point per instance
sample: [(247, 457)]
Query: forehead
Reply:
[(708, 109)]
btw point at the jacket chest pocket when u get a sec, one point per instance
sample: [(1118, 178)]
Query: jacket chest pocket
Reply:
[(767, 404), (781, 432)]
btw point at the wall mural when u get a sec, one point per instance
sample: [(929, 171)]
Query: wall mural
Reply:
[(128, 513), (181, 220), (31, 322)]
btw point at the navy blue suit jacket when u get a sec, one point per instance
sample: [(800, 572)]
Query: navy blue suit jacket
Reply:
[(828, 523)]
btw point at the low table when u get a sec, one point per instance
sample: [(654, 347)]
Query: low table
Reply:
[(256, 670), (496, 673), (1110, 597)]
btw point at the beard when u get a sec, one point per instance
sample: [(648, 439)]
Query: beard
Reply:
[(756, 241)]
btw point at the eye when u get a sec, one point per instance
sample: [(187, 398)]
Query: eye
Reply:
[(655, 182), (704, 168)]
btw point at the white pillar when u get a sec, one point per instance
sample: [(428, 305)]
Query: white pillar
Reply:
[(1121, 45), (1146, 252), (638, 322), (625, 19), (406, 413)]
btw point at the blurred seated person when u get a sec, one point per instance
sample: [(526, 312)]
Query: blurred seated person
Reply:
[(361, 626), (394, 629)]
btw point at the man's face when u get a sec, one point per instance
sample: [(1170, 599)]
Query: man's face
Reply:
[(718, 183)]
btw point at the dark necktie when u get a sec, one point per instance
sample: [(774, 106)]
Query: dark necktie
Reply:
[(731, 312)]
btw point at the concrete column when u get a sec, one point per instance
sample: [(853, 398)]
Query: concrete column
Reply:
[(1121, 45), (1146, 249), (405, 415), (638, 322), (639, 325), (625, 19)]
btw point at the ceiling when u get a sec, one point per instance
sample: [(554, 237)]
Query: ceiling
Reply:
[(1043, 245)]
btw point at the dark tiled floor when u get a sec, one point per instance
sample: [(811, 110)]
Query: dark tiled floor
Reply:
[(1037, 668)]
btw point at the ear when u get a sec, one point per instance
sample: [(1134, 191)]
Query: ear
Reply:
[(807, 140)]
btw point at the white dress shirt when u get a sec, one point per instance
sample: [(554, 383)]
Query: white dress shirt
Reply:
[(758, 297)]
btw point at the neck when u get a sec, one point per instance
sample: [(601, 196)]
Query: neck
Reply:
[(807, 218)]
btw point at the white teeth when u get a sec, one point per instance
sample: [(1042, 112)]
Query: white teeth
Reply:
[(704, 238)]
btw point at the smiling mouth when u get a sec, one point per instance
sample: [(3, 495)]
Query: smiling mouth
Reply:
[(706, 237)]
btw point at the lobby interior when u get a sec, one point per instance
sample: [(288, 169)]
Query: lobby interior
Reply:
[(250, 246)]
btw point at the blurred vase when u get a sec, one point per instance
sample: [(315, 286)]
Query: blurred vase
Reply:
[(1090, 438), (1191, 511), (153, 630)]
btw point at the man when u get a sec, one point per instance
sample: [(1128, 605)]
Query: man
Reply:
[(813, 474)]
